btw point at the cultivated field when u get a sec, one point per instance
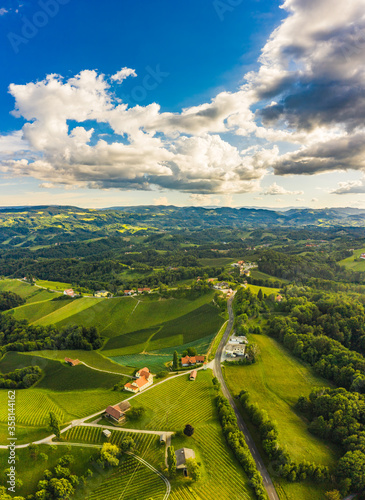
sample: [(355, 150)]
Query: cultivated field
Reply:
[(177, 402)]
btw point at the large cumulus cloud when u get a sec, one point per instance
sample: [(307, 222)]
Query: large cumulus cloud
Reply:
[(308, 91)]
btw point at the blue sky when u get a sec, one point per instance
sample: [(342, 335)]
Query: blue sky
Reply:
[(96, 140)]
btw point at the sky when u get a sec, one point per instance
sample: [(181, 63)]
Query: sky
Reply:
[(202, 102)]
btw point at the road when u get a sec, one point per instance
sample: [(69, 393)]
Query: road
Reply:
[(217, 369)]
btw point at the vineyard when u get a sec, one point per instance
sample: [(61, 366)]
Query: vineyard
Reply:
[(130, 481), (32, 407), (174, 403), (147, 445)]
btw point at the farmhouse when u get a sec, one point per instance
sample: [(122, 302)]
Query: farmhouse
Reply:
[(128, 292), (278, 298), (181, 456), (72, 362), (234, 350), (102, 293), (192, 360), (69, 292), (362, 256), (144, 379), (141, 290), (238, 340), (117, 412), (193, 375)]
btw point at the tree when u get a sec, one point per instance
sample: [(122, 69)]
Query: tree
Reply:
[(54, 424), (260, 295), (60, 488), (136, 413), (193, 468), (33, 451), (171, 460), (333, 495), (189, 430), (127, 444), (175, 362), (109, 455), (192, 351), (352, 466)]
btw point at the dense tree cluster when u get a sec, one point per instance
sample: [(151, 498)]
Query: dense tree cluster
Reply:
[(20, 336), (236, 440), (339, 416), (8, 300), (21, 378)]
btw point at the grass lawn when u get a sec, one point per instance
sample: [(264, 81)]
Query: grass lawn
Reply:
[(53, 285), (265, 289), (31, 471), (177, 402), (259, 275), (350, 262), (275, 383), (91, 358), (219, 261), (28, 292)]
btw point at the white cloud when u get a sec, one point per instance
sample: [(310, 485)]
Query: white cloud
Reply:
[(3, 11), (350, 187), (161, 201), (275, 190), (123, 74)]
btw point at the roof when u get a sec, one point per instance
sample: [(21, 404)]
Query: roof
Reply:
[(106, 432), (192, 359), (117, 411), (144, 372), (182, 455), (140, 382), (130, 386), (72, 362), (193, 374)]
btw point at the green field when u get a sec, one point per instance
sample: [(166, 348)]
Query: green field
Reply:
[(28, 292), (54, 285), (31, 471), (70, 392), (129, 481), (92, 358), (351, 263), (268, 290), (275, 383), (218, 262), (177, 402)]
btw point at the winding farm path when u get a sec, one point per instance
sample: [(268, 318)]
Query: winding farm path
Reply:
[(217, 369), (106, 371)]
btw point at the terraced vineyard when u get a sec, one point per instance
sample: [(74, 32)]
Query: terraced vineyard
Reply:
[(130, 481), (175, 402), (32, 407)]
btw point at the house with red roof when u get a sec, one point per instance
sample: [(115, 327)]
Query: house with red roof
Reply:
[(144, 379), (117, 412), (72, 362), (69, 292), (192, 360)]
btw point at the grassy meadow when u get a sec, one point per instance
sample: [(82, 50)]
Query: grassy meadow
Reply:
[(352, 263), (275, 382)]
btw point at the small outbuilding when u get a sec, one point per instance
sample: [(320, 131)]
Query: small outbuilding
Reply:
[(72, 362), (193, 375), (106, 433), (181, 456)]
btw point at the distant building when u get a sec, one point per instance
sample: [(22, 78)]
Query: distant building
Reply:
[(72, 362), (69, 292), (143, 380), (234, 350), (141, 290), (117, 412), (278, 298), (238, 340), (181, 456), (192, 360), (102, 293), (129, 292), (362, 256), (193, 375), (107, 433)]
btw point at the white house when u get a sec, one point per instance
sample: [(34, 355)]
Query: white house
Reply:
[(144, 379), (234, 350)]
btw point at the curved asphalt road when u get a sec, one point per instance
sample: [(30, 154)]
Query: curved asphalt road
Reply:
[(270, 489)]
